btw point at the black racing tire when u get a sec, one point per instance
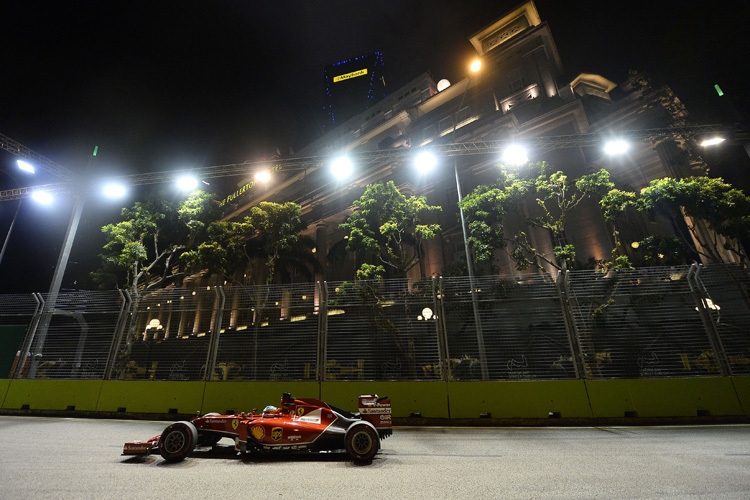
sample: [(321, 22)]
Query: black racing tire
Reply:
[(362, 442), (177, 441)]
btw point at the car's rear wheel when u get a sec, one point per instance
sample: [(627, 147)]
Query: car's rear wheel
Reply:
[(177, 441), (362, 443)]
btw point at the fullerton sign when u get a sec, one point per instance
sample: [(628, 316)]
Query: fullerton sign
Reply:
[(247, 187), (237, 193)]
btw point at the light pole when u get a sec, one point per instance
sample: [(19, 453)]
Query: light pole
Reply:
[(475, 66), (27, 168)]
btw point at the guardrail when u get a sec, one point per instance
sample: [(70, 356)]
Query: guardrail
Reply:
[(644, 323)]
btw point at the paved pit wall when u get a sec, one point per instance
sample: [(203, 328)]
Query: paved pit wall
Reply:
[(565, 399)]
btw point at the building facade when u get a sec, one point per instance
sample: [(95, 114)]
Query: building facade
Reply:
[(520, 95)]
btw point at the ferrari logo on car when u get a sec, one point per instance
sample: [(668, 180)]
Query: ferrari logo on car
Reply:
[(300, 411), (276, 433), (235, 424)]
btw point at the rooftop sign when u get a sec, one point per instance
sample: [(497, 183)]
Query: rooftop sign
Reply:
[(349, 76)]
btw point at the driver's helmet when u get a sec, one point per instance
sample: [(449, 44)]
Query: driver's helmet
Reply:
[(270, 409)]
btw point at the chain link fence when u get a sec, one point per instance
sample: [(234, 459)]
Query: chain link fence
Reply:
[(636, 323)]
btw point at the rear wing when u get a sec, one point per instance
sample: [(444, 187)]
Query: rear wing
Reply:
[(377, 411)]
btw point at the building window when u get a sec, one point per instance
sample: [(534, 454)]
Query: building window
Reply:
[(445, 124), (516, 81)]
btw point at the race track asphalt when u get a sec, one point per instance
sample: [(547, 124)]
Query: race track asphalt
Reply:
[(57, 458)]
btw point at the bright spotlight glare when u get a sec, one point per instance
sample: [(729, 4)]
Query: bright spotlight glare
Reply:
[(713, 141), (263, 176), (425, 162), (342, 167), (42, 197), (186, 184), (26, 167), (114, 190), (515, 155), (616, 147), (476, 65)]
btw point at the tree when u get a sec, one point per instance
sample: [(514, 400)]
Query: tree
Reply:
[(488, 206), (270, 234), (388, 230), (724, 209), (142, 251)]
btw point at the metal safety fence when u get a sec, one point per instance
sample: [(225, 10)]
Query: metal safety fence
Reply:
[(636, 323)]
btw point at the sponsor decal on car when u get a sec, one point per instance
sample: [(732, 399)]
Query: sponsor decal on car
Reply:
[(258, 432), (277, 433), (314, 417)]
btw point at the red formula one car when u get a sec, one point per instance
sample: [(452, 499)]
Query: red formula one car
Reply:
[(298, 425)]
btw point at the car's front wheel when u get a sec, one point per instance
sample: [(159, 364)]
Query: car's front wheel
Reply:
[(362, 442), (177, 441)]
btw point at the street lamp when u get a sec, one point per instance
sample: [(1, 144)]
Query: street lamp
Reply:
[(475, 66), (28, 168)]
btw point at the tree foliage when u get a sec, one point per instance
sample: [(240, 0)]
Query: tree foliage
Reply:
[(724, 209), (270, 233), (388, 229), (143, 250), (488, 207)]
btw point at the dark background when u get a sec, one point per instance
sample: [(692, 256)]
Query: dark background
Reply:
[(168, 85)]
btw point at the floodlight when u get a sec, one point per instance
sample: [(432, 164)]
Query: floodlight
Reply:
[(342, 167), (515, 155), (263, 176), (616, 147), (114, 190), (713, 141), (26, 167), (42, 197), (425, 162), (187, 183)]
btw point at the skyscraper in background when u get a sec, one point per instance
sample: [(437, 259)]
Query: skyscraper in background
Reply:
[(351, 87)]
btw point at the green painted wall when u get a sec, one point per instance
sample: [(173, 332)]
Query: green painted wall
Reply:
[(742, 387), (685, 397), (53, 394), (674, 397), (151, 396), (522, 399)]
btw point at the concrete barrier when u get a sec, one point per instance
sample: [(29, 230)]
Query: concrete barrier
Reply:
[(79, 395), (4, 385), (742, 388), (522, 399), (668, 397), (578, 399), (151, 396)]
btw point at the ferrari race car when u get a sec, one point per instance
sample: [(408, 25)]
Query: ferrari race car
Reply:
[(297, 425)]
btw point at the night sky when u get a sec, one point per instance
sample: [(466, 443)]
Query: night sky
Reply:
[(166, 85)]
